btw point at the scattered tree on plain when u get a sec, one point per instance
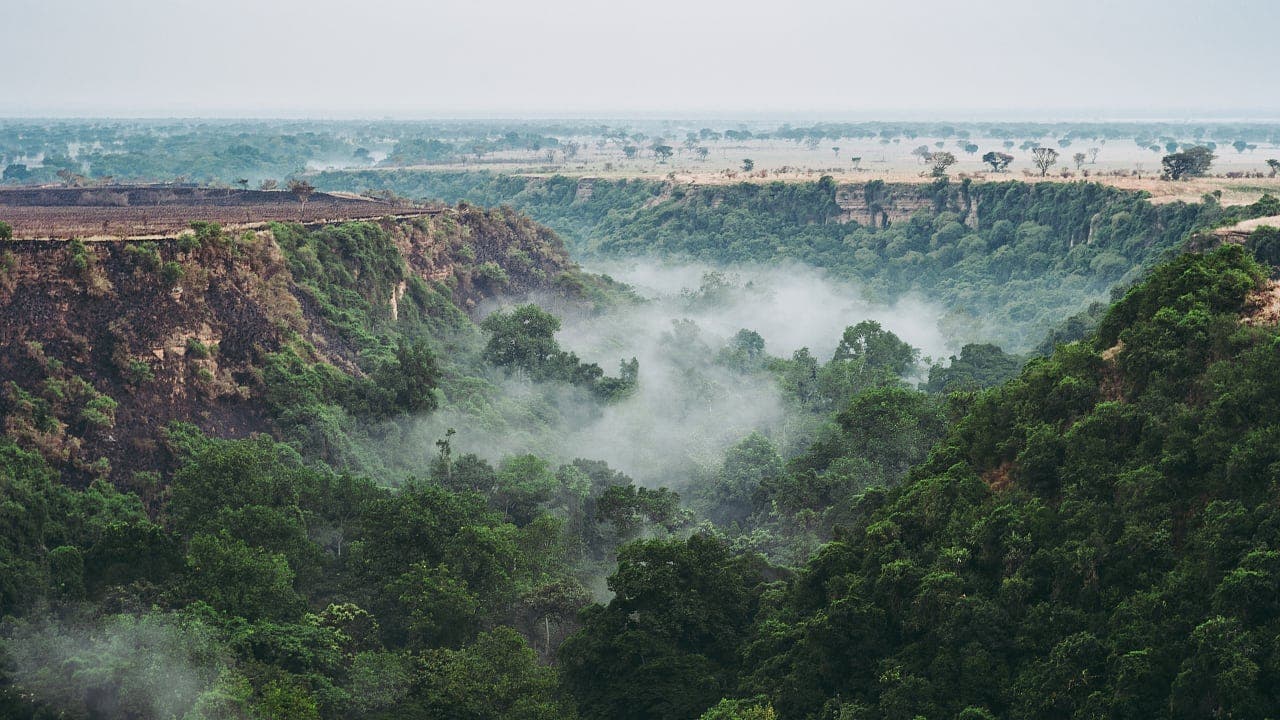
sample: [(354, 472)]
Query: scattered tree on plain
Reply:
[(1044, 158), (998, 161), (302, 190), (940, 161), (1192, 162), (748, 164)]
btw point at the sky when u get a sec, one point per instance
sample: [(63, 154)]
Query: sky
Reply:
[(817, 59)]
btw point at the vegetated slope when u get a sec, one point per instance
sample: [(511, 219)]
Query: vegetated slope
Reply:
[(1097, 538), (300, 332), (1008, 259)]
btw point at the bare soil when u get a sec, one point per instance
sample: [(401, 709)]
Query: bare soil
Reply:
[(149, 211)]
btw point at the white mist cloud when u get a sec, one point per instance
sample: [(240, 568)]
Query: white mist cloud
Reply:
[(687, 408), (149, 666)]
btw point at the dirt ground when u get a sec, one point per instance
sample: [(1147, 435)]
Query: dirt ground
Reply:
[(120, 212)]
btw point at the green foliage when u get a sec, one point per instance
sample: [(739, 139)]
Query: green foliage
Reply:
[(1192, 162), (138, 372), (1008, 260), (666, 645), (239, 579), (979, 366), (172, 273), (524, 340)]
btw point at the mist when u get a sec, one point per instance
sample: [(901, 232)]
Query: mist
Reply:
[(149, 666), (689, 405)]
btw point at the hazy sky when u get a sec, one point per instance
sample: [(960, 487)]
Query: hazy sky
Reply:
[(433, 58)]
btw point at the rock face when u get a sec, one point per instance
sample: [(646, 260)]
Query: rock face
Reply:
[(896, 202), (104, 344)]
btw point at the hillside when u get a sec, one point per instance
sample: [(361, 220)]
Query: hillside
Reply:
[(233, 473), (105, 344), (1096, 538), (1008, 259)]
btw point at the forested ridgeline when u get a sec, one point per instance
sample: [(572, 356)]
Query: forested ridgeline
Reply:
[(1008, 259)]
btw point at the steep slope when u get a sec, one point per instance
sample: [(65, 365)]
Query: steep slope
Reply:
[(102, 345), (1097, 538)]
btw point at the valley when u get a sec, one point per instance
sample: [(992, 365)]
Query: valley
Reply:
[(560, 360)]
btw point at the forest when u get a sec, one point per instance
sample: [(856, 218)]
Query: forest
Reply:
[(969, 450)]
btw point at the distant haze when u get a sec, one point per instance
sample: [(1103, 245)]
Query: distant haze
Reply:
[(1051, 59)]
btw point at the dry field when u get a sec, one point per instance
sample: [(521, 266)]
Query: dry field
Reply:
[(1121, 164), (117, 212)]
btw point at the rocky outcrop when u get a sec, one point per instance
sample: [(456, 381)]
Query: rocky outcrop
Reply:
[(179, 329)]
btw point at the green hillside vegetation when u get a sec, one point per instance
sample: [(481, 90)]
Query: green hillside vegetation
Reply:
[(1093, 539), (1089, 535), (1008, 259)]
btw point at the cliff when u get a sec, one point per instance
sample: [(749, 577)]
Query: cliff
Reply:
[(103, 345)]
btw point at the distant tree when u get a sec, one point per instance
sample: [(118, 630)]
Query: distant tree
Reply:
[(940, 161), (702, 153), (6, 230), (663, 152), (630, 151), (998, 161), (970, 148), (1044, 158), (302, 190), (551, 155), (16, 172), (1274, 164), (1079, 159), (1240, 146), (243, 183), (1093, 155), (1192, 162), (268, 185), (856, 162), (835, 149), (748, 164), (1171, 146), (922, 152)]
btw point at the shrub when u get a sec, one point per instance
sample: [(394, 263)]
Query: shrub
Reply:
[(172, 272), (197, 349), (138, 372)]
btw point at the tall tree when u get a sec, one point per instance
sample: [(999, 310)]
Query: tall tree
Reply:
[(1044, 158), (998, 161), (1192, 162)]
